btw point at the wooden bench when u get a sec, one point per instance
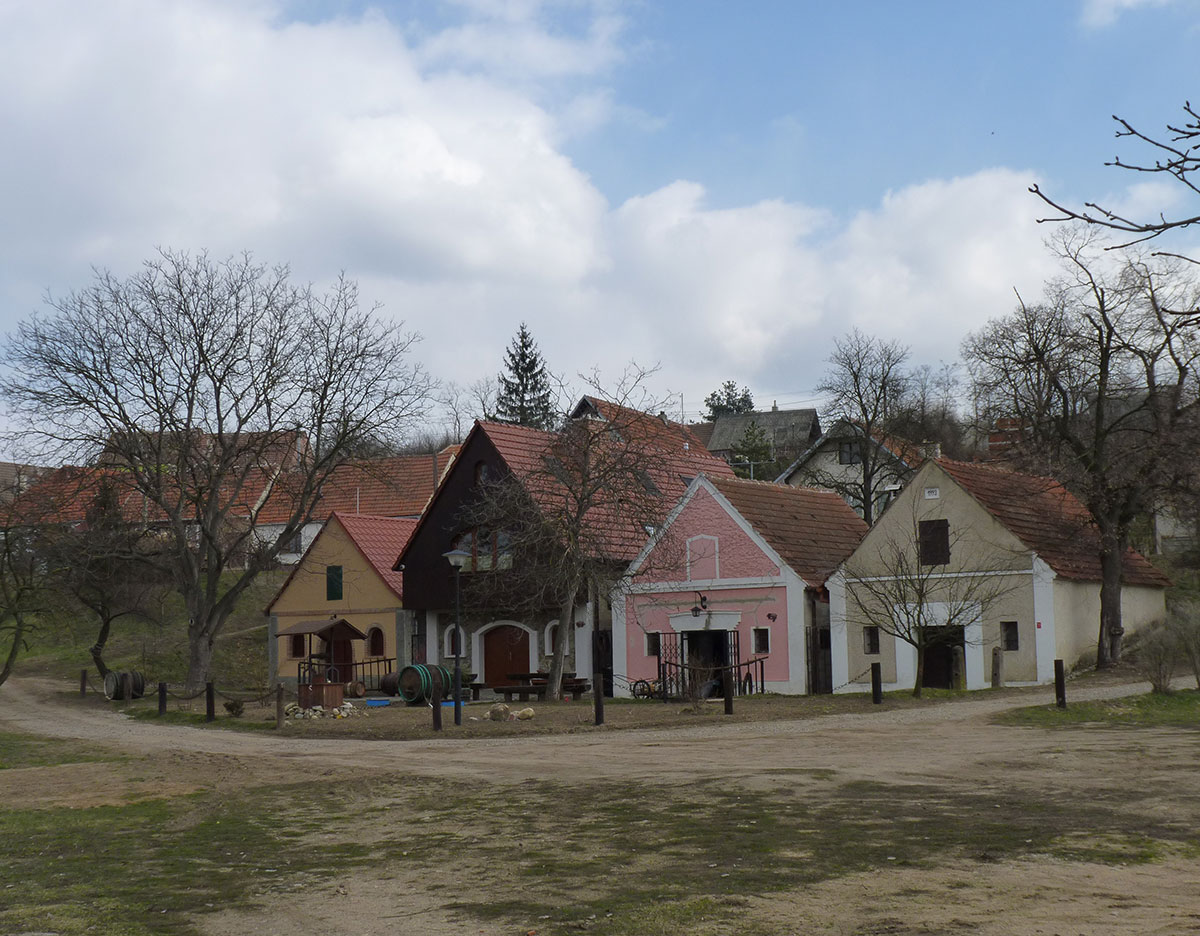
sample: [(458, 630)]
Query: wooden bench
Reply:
[(576, 688), (523, 691)]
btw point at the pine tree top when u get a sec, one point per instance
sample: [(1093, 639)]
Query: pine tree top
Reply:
[(525, 396)]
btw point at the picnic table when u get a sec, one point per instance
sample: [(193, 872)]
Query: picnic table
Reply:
[(526, 685)]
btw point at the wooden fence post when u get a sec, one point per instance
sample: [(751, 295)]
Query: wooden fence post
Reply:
[(1060, 685), (437, 704), (83, 682), (279, 707), (162, 698), (210, 702), (597, 679), (727, 686), (877, 683)]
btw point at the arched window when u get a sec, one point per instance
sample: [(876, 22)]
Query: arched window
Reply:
[(553, 630), (375, 642), (451, 639), (481, 472)]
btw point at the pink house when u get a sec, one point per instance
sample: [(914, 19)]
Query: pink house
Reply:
[(736, 576)]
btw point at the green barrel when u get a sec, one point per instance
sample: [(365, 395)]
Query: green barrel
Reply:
[(417, 682)]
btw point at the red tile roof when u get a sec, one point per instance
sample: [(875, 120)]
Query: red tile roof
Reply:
[(813, 531), (380, 540), (675, 458), (1048, 519)]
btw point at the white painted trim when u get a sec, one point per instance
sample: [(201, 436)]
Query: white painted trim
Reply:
[(704, 585), (477, 660), (709, 620), (944, 575), (796, 592), (1045, 644), (839, 647), (906, 664), (620, 652), (716, 553), (973, 653), (432, 627)]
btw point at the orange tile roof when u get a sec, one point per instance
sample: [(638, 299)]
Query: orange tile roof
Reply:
[(380, 540), (813, 531), (1048, 519)]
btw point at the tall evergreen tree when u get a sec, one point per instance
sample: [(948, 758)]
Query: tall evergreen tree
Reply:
[(525, 396)]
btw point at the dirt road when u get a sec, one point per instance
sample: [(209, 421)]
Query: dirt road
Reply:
[(953, 746)]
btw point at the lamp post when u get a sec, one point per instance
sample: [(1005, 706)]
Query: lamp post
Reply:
[(457, 558)]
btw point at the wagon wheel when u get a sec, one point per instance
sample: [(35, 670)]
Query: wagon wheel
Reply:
[(641, 689)]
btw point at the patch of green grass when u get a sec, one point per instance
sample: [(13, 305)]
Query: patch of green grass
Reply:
[(607, 857), (18, 750), (1154, 710)]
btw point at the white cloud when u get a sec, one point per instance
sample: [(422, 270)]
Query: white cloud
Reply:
[(442, 189), (1098, 14)]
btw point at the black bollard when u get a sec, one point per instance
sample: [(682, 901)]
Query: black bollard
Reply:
[(162, 698), (210, 702), (877, 683), (597, 680), (1060, 685)]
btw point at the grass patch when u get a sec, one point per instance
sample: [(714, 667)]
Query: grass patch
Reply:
[(1179, 709), (18, 750)]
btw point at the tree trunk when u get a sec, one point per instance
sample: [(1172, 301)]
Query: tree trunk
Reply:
[(18, 637), (200, 651), (920, 670), (97, 649), (566, 627), (1108, 644)]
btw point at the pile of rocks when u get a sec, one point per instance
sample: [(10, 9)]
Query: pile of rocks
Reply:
[(345, 710)]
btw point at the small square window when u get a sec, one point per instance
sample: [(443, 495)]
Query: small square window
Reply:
[(762, 639), (333, 583), (1010, 635), (870, 640), (653, 644), (296, 646), (850, 453)]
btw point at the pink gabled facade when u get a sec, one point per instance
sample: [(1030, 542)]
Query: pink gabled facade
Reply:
[(712, 569)]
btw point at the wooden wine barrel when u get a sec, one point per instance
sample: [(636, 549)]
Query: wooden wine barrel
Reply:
[(356, 689), (419, 682), (389, 684)]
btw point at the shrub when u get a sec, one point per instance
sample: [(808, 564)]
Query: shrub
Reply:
[(1154, 652), (1184, 622)]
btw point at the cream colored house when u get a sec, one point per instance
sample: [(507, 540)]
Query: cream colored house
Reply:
[(345, 575), (969, 559)]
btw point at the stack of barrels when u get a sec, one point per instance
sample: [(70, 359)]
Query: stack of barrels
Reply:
[(121, 686)]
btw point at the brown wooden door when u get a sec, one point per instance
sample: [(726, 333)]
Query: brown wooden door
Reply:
[(505, 650), (342, 658)]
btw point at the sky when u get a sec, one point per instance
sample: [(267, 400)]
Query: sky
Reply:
[(717, 189)]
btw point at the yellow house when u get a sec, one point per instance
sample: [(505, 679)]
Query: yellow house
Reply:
[(344, 576), (976, 562)]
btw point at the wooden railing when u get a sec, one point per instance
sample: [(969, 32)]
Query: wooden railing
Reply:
[(368, 672)]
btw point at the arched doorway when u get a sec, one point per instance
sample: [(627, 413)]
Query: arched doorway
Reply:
[(505, 650)]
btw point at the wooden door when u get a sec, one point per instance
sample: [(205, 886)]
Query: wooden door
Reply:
[(505, 650), (342, 657)]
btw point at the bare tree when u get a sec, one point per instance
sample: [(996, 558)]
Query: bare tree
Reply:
[(113, 567), (891, 584), (569, 521), (1101, 385), (25, 589), (863, 390), (1177, 156), (219, 392)]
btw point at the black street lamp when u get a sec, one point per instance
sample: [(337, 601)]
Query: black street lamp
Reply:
[(457, 558)]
